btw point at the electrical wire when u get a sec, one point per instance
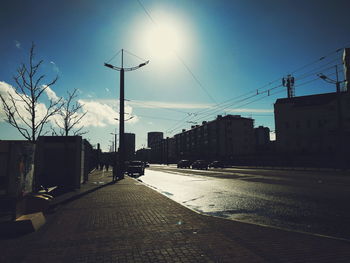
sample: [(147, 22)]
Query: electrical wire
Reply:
[(145, 10), (116, 54), (132, 54), (221, 108), (225, 105), (194, 76)]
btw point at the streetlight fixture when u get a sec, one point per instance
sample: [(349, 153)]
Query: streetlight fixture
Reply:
[(126, 119), (121, 159)]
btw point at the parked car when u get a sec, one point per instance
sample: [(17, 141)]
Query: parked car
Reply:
[(216, 164), (135, 167), (146, 164), (200, 164), (184, 164)]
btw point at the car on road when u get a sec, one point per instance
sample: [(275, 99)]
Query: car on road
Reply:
[(216, 164), (200, 164), (184, 164), (135, 167)]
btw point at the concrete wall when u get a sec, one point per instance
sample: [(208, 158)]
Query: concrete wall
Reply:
[(16, 175), (59, 162)]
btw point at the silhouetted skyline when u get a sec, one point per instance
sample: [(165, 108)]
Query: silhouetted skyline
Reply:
[(223, 49)]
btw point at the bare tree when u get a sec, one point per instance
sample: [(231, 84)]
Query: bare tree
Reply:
[(21, 108), (71, 115)]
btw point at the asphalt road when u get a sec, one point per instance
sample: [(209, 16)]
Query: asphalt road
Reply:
[(311, 201)]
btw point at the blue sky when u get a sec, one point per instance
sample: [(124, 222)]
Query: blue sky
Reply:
[(201, 53)]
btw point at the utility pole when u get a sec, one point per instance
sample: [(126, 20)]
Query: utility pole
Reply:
[(121, 154), (289, 83), (339, 136)]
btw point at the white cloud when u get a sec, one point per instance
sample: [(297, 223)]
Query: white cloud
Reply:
[(55, 67), (51, 94), (189, 106), (100, 114), (18, 44), (6, 90), (168, 105), (107, 89)]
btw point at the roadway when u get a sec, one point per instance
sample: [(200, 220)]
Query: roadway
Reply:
[(310, 201)]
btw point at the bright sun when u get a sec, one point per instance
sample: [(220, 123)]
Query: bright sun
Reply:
[(165, 38)]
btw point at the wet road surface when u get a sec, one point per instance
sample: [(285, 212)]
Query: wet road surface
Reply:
[(310, 201)]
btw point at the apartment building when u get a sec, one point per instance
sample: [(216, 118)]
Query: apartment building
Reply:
[(221, 139), (318, 124)]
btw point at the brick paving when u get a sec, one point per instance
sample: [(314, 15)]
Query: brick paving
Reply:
[(129, 222)]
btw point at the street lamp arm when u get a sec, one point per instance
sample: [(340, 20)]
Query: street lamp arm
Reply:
[(327, 79), (126, 69)]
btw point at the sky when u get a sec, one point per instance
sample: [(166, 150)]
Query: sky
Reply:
[(205, 58)]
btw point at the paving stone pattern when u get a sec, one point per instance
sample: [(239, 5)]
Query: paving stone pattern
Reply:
[(129, 222)]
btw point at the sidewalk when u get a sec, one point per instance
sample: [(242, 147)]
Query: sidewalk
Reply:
[(97, 180), (129, 222)]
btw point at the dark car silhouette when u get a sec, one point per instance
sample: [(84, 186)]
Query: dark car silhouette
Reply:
[(200, 164), (136, 167), (184, 164), (216, 164)]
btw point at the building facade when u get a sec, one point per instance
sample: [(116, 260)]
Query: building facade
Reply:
[(262, 139), (316, 124), (143, 154), (153, 138), (129, 146), (221, 139)]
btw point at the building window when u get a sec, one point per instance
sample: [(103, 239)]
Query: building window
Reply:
[(320, 123), (308, 123)]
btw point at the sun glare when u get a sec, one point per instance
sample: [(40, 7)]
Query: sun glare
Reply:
[(163, 40), (166, 37)]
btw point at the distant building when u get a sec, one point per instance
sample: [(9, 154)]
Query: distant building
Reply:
[(129, 146), (222, 139), (154, 142), (262, 138), (144, 154), (153, 138), (165, 150), (318, 124)]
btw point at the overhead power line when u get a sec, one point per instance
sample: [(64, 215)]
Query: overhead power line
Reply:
[(221, 107), (145, 10), (194, 76), (192, 117)]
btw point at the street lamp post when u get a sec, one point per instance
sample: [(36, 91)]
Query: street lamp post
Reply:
[(121, 159), (115, 141)]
